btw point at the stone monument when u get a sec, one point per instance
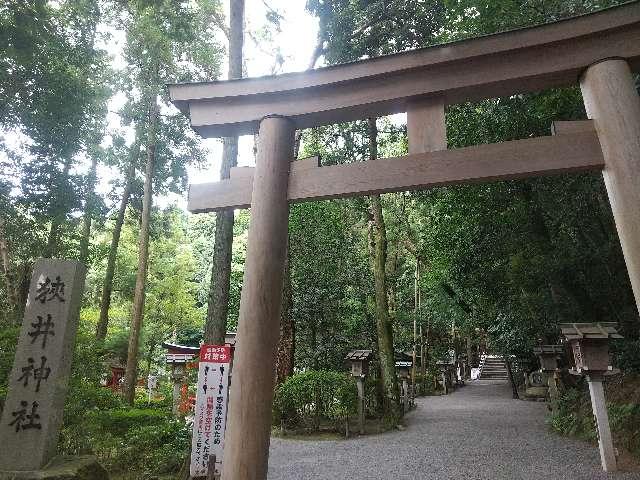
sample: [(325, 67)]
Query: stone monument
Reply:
[(33, 409)]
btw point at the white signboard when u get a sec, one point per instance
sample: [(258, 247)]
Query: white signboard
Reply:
[(211, 407)]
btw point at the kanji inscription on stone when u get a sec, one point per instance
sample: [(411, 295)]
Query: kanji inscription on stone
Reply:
[(32, 413)]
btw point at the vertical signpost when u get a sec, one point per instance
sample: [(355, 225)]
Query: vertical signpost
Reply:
[(211, 408), (32, 413)]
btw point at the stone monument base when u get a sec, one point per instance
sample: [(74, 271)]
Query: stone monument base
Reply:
[(63, 468)]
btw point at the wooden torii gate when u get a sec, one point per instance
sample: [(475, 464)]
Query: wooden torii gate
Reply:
[(599, 51)]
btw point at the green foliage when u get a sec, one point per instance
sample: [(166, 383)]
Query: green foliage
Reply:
[(575, 417), (626, 355), (625, 423), (8, 341), (354, 29), (329, 282), (119, 422), (315, 397), (426, 384), (470, 18), (155, 449), (129, 440)]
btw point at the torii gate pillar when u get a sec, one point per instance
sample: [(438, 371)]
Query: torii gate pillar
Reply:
[(612, 101), (246, 450)]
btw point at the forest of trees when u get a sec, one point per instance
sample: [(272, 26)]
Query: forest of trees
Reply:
[(79, 181)]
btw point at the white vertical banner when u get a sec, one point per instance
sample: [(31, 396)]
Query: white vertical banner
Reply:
[(211, 407)]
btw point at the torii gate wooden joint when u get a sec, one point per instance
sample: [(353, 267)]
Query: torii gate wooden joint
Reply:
[(599, 51)]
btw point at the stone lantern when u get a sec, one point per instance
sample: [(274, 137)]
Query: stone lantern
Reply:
[(462, 372), (359, 363), (404, 369), (446, 368), (590, 346), (404, 365), (404, 372), (177, 357), (549, 356)]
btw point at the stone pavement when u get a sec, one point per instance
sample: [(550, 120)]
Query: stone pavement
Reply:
[(476, 433)]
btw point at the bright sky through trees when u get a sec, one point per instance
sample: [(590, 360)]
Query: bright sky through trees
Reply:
[(267, 51), (295, 43)]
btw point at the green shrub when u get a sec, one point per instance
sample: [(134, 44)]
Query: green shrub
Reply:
[(574, 416), (156, 449), (314, 398), (8, 341), (626, 355), (625, 424), (128, 439), (84, 398), (425, 386), (120, 422)]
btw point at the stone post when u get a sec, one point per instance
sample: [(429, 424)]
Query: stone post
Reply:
[(32, 414), (405, 394), (360, 384), (605, 441)]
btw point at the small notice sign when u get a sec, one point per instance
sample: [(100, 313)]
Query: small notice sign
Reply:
[(211, 407)]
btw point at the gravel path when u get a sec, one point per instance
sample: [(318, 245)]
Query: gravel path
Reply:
[(476, 433)]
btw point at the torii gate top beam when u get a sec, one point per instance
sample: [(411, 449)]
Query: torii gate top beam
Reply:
[(518, 61)]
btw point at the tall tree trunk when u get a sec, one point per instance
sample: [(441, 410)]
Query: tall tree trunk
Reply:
[(383, 322), (60, 190), (286, 345), (107, 287), (285, 360), (11, 286), (130, 376), (218, 306), (89, 208)]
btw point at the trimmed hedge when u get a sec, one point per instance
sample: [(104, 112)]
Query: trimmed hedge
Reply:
[(315, 398)]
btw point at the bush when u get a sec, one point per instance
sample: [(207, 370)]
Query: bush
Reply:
[(314, 398), (626, 355), (83, 433), (156, 449), (425, 385), (8, 341), (120, 422), (574, 417), (84, 398), (625, 423), (129, 439)]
